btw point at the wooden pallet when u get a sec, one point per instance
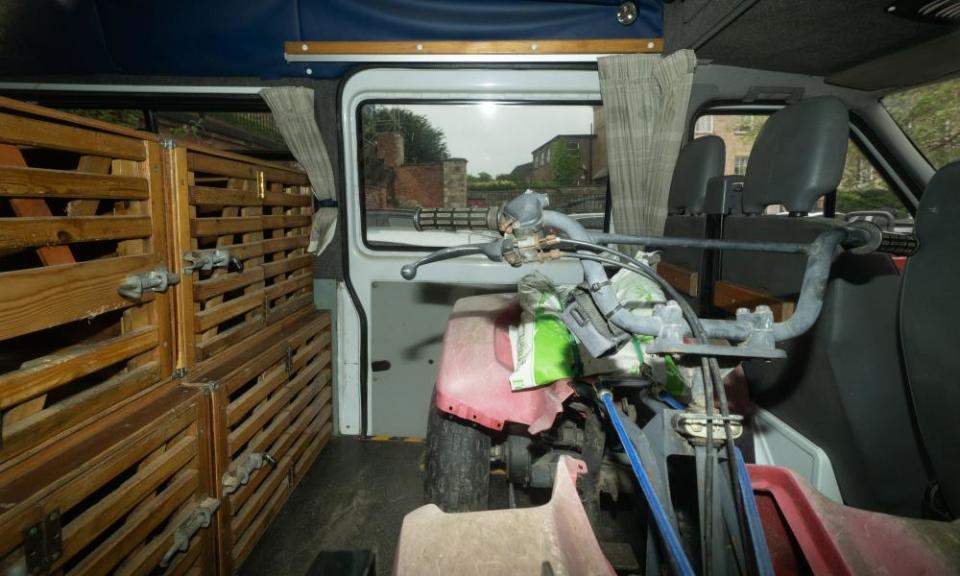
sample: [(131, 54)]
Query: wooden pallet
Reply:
[(112, 497), (260, 213), (81, 209), (271, 417)]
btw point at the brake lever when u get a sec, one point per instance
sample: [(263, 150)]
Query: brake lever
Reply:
[(492, 250)]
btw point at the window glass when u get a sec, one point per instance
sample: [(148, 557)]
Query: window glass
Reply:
[(930, 116), (862, 190), (454, 155), (243, 131)]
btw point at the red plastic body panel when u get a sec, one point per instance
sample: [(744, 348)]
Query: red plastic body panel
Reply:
[(808, 533), (473, 379)]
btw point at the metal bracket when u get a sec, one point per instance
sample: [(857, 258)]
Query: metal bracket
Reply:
[(42, 544), (135, 286), (179, 373), (209, 259), (694, 426), (671, 340), (200, 518), (232, 481)]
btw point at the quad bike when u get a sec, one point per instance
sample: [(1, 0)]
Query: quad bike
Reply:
[(697, 504)]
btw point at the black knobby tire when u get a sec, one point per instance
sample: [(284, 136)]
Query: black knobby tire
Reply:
[(458, 463)]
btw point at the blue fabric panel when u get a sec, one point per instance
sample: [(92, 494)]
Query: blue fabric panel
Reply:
[(245, 38)]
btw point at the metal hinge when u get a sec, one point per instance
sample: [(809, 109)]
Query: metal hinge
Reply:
[(42, 544), (209, 259), (168, 143), (232, 481), (135, 286), (200, 518), (261, 185)]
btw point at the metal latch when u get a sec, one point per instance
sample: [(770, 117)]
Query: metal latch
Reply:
[(42, 544), (242, 472), (694, 426), (209, 259), (135, 286), (200, 518)]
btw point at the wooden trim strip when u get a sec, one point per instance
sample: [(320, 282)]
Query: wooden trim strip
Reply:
[(40, 298), (45, 183), (686, 281), (30, 232), (48, 372), (29, 132), (483, 47), (729, 297)]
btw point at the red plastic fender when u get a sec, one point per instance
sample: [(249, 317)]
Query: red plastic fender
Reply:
[(473, 379)]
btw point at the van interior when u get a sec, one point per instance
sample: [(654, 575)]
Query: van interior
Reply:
[(508, 287)]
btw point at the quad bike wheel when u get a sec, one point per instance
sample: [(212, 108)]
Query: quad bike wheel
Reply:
[(457, 463)]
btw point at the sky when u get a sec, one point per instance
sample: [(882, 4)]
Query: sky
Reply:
[(495, 138)]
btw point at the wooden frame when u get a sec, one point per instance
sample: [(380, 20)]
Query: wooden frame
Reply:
[(118, 499), (260, 213), (273, 397), (81, 209), (686, 281)]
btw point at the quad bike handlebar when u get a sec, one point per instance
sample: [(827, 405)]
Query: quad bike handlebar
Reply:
[(527, 236)]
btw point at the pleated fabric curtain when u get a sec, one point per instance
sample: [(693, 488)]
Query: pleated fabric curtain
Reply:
[(294, 115), (645, 99)]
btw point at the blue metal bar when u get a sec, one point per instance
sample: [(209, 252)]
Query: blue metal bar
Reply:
[(762, 553), (670, 538)]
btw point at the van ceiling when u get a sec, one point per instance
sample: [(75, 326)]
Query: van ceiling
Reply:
[(227, 38), (813, 37)]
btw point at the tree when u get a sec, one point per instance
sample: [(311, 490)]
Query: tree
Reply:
[(564, 164), (930, 115), (422, 142)]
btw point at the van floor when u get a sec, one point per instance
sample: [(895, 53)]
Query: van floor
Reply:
[(353, 498)]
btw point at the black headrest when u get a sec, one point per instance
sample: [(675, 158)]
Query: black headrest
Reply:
[(798, 156), (699, 161)]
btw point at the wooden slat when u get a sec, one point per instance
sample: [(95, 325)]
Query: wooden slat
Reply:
[(48, 372), (207, 319), (686, 281), (286, 221), (225, 339), (239, 408), (205, 289), (204, 195), (271, 269), (728, 296), (491, 47), (57, 230), (223, 226), (100, 125), (220, 162), (287, 286), (282, 244), (30, 132), (284, 199), (40, 298), (44, 183)]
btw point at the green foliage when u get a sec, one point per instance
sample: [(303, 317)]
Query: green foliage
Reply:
[(564, 164), (930, 115), (422, 142), (129, 118), (474, 183)]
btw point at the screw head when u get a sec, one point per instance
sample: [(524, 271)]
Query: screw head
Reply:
[(627, 13)]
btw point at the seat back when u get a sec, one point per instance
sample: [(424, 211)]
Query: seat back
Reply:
[(842, 383), (929, 320), (698, 163)]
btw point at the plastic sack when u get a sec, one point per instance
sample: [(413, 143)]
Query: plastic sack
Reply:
[(544, 351)]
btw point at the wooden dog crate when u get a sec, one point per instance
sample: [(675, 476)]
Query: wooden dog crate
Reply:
[(128, 494), (271, 417), (81, 213), (258, 215)]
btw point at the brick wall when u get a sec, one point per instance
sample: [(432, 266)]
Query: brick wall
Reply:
[(390, 149), (455, 183), (419, 185)]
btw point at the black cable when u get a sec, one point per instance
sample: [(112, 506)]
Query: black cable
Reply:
[(711, 373)]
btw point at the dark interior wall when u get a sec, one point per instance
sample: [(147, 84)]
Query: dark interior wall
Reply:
[(329, 264)]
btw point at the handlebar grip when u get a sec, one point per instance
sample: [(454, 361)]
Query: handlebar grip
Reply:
[(898, 244), (454, 219)]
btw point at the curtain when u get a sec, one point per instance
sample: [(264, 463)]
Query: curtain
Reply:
[(645, 99), (293, 113)]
